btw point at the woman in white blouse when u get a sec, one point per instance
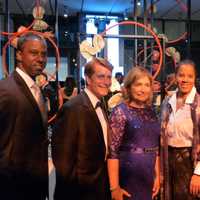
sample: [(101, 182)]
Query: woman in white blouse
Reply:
[(180, 140)]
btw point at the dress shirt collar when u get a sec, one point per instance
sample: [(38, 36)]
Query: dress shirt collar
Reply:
[(92, 97), (189, 98), (28, 80)]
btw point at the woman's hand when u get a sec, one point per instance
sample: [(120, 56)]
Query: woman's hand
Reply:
[(195, 185), (118, 194), (156, 187)]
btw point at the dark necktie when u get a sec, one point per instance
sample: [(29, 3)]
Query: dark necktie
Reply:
[(99, 104), (103, 108)]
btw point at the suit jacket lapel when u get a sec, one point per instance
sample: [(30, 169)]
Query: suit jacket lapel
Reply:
[(87, 103), (26, 91)]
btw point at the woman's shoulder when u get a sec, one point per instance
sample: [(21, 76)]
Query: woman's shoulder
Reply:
[(119, 109), (196, 101), (123, 105), (198, 95)]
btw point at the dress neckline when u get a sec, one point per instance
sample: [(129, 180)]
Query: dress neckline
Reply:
[(133, 107)]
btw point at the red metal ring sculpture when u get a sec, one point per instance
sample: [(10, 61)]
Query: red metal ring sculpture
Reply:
[(149, 31)]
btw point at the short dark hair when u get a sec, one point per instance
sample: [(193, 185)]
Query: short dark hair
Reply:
[(70, 82), (28, 36), (186, 62), (89, 67), (118, 74)]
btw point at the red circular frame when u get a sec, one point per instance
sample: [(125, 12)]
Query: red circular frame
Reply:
[(148, 30)]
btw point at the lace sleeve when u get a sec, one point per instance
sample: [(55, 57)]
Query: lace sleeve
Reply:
[(117, 124)]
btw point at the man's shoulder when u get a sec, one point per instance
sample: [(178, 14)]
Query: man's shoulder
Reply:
[(7, 83), (8, 90), (77, 100)]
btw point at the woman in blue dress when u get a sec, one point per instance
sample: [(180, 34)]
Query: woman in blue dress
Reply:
[(133, 163)]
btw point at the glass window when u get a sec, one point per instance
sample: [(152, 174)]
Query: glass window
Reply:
[(112, 44)]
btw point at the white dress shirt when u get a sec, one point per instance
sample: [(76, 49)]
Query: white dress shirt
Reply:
[(28, 80), (36, 92), (100, 115), (180, 126)]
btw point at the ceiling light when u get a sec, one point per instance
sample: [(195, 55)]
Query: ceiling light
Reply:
[(139, 3)]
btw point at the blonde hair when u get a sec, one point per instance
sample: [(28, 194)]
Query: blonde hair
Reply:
[(133, 75)]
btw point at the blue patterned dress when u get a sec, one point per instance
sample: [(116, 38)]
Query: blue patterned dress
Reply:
[(134, 128)]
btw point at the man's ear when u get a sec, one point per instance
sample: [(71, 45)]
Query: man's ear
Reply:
[(87, 80), (18, 56)]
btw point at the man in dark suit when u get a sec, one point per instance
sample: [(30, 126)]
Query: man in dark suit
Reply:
[(23, 126), (79, 143)]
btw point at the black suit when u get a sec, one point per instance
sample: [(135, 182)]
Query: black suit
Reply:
[(23, 143), (78, 151)]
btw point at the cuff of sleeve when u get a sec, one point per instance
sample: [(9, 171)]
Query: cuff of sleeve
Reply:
[(197, 169)]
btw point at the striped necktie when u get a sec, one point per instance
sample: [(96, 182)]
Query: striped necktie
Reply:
[(40, 101)]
